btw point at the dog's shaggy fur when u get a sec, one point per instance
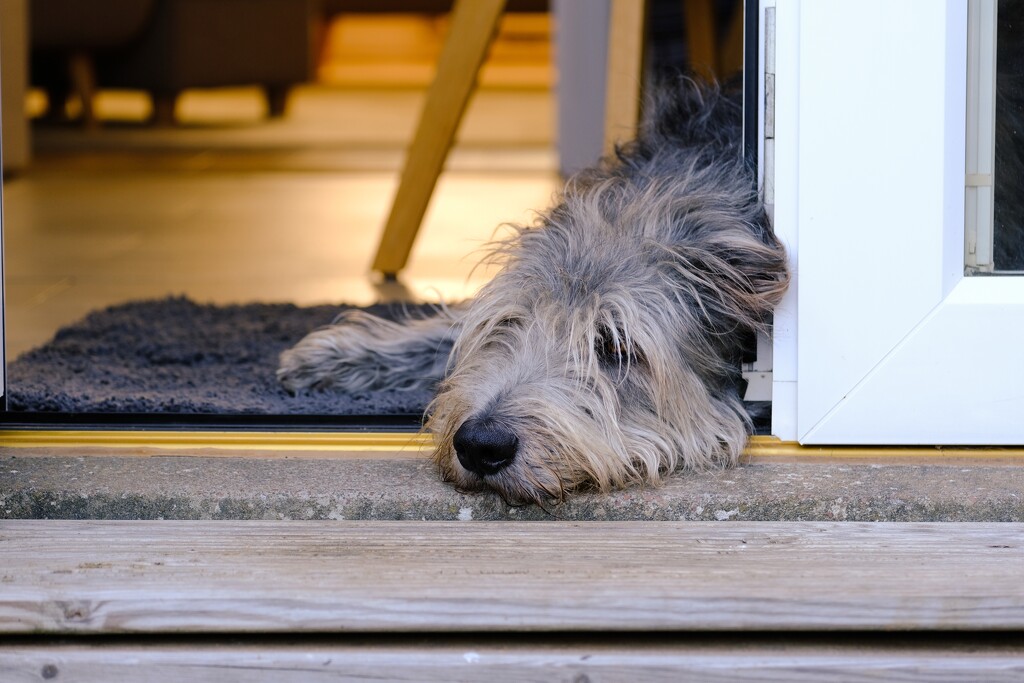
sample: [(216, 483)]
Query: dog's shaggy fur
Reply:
[(606, 352)]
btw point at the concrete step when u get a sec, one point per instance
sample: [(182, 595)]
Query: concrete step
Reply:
[(97, 483)]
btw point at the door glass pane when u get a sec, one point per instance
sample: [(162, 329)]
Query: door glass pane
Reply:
[(994, 196), (1008, 232), (164, 247)]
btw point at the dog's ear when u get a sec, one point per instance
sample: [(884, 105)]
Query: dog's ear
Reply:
[(728, 265)]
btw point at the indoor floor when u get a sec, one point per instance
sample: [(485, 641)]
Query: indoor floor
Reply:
[(231, 207)]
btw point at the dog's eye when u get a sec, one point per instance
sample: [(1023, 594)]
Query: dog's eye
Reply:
[(510, 322), (615, 349)]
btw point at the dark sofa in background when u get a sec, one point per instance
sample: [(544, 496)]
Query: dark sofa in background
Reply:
[(167, 46)]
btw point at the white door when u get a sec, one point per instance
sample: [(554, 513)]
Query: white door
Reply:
[(883, 339)]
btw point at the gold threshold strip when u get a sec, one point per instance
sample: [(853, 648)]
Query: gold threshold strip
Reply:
[(769, 448), (383, 442), (418, 445)]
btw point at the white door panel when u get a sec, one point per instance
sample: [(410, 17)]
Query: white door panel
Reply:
[(892, 344)]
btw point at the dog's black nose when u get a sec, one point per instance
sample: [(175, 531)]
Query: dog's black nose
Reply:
[(485, 446)]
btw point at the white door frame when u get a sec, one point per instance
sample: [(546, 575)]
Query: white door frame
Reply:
[(882, 339)]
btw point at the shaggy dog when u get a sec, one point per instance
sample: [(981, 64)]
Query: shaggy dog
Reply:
[(606, 352)]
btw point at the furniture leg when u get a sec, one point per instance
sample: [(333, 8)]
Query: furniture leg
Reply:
[(625, 71), (473, 25)]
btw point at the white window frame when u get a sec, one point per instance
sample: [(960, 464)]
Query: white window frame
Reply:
[(882, 339)]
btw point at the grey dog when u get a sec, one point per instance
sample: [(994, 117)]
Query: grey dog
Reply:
[(606, 351)]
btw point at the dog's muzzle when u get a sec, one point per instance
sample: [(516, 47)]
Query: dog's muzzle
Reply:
[(484, 446)]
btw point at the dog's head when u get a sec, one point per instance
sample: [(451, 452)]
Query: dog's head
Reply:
[(604, 352)]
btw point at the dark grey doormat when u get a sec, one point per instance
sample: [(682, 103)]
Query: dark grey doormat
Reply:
[(176, 356)]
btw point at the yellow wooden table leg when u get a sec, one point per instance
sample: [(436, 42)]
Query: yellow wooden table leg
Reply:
[(473, 25), (700, 37), (624, 72)]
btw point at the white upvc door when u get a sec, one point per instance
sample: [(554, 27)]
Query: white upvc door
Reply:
[(882, 339)]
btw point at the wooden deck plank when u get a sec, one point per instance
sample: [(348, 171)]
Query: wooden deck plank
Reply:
[(468, 660), (260, 577)]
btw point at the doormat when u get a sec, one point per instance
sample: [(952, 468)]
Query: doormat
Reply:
[(177, 356)]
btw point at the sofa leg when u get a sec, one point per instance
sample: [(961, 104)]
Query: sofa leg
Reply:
[(163, 108), (277, 100), (56, 104), (82, 75)]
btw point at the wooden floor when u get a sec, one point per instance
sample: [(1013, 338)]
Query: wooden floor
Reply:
[(948, 590)]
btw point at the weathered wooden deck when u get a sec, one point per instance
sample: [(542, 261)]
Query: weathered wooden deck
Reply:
[(255, 600)]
